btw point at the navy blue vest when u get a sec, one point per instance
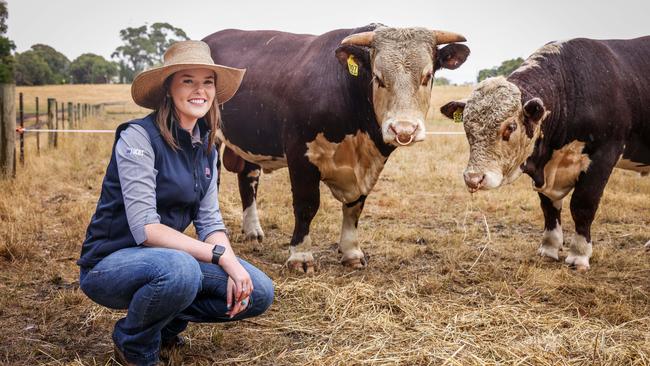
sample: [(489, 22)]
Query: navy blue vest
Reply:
[(182, 180)]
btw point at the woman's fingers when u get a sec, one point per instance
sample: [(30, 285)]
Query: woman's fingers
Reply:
[(229, 292), (239, 307), (247, 289), (240, 291), (235, 309)]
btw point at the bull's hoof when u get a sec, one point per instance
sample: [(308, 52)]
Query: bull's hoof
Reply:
[(355, 263), (254, 237), (647, 246), (548, 252), (579, 262), (582, 269), (254, 234), (301, 262), (354, 258)]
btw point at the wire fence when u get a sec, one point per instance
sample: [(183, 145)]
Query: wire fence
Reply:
[(56, 118), (51, 118)]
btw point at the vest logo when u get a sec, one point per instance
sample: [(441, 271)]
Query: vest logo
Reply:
[(208, 174), (135, 152)]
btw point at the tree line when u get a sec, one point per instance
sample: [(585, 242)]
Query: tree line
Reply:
[(142, 47)]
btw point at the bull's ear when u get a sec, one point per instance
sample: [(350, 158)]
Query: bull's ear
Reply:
[(451, 56), (452, 107), (360, 55), (533, 112), (534, 109)]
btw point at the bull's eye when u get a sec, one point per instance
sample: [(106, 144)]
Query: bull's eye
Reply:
[(426, 79), (378, 80), (508, 130)]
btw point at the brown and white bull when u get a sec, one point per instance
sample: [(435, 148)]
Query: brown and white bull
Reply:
[(571, 113), (331, 108)]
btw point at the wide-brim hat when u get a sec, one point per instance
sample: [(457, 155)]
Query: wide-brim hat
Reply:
[(147, 88)]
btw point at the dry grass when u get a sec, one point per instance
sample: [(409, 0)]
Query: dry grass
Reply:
[(438, 289), (118, 95)]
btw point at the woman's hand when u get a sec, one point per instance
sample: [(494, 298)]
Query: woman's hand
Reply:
[(240, 285)]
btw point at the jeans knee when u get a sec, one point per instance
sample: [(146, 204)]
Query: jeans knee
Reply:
[(262, 296), (180, 276)]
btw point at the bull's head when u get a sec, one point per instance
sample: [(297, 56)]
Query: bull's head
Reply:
[(402, 62), (501, 131)]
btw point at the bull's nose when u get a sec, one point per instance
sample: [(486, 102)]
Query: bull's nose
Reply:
[(473, 181), (404, 131)]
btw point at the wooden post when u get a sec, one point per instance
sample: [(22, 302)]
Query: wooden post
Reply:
[(38, 135), (56, 121), (7, 131), (22, 125), (70, 121), (62, 116), (78, 115), (50, 122)]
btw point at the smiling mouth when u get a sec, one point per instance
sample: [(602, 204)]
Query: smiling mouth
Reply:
[(198, 101)]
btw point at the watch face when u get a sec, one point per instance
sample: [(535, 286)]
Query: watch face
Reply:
[(217, 251)]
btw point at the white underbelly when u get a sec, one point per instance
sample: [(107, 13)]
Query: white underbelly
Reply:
[(267, 162), (627, 164), (349, 168)]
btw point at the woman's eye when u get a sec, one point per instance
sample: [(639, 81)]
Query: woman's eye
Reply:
[(187, 81)]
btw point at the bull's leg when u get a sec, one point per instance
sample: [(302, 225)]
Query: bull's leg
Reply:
[(305, 190), (248, 180), (584, 203), (553, 237), (349, 245)]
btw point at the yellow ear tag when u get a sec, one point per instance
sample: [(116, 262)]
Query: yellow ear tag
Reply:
[(353, 68), (458, 116)]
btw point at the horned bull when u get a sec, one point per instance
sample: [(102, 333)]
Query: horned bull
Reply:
[(572, 112), (331, 108)]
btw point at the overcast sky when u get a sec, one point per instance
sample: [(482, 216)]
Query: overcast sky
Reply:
[(496, 30)]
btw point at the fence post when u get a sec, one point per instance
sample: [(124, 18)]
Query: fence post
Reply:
[(78, 115), (7, 131), (70, 121), (62, 116), (50, 122), (38, 134), (56, 121), (22, 125)]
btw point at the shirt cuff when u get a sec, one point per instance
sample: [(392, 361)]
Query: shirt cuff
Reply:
[(205, 234), (139, 235)]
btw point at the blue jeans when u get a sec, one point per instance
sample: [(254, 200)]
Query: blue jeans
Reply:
[(163, 290)]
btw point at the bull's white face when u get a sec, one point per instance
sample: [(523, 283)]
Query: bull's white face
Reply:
[(401, 91), (402, 62), (496, 153), (499, 144)]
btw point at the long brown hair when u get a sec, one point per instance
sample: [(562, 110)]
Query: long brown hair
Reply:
[(166, 109)]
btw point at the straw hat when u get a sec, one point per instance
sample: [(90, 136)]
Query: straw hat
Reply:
[(147, 88)]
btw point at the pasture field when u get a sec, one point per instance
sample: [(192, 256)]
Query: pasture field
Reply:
[(117, 95), (453, 279)]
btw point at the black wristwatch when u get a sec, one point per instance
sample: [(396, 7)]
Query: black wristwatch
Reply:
[(217, 252)]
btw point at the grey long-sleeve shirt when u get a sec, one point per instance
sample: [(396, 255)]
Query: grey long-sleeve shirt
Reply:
[(135, 165)]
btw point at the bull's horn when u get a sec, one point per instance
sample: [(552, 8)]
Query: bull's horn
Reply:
[(359, 39), (443, 37)]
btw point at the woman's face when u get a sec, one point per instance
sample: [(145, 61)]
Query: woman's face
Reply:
[(193, 92)]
